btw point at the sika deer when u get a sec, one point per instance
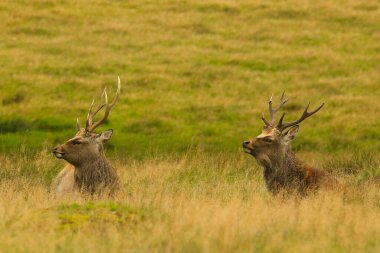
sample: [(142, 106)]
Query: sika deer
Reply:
[(283, 171), (88, 170)]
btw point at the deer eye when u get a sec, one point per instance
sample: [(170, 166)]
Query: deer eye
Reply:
[(77, 142), (268, 140)]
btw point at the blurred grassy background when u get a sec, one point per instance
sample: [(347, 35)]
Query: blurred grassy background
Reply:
[(194, 73)]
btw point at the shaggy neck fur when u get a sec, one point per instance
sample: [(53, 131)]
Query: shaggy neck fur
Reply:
[(94, 174), (286, 173)]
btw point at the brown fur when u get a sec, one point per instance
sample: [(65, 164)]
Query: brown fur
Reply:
[(283, 171), (88, 170)]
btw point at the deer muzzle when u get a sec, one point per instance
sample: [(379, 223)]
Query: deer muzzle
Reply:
[(247, 147), (58, 152)]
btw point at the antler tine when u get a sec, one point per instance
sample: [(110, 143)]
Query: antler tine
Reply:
[(102, 95), (108, 107), (89, 117), (281, 119), (78, 125), (272, 111), (304, 115), (101, 104), (117, 92), (265, 121), (91, 114), (281, 104)]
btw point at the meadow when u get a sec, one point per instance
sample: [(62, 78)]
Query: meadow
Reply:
[(196, 76)]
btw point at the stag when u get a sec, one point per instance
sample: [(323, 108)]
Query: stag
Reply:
[(283, 171), (88, 170)]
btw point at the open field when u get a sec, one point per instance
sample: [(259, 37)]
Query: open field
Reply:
[(196, 76), (192, 203)]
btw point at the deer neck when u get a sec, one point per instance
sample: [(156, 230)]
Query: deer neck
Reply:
[(282, 162), (284, 172), (92, 165)]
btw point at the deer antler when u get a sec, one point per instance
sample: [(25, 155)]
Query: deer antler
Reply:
[(78, 125), (272, 111), (282, 126), (90, 126)]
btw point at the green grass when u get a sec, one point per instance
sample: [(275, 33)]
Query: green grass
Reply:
[(193, 73), (75, 216), (196, 76)]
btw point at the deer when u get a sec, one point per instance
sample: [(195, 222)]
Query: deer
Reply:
[(88, 170), (283, 172)]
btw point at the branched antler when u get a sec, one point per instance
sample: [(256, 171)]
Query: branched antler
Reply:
[(90, 126), (282, 126), (272, 111)]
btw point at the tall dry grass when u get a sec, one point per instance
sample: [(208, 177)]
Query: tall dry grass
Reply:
[(194, 203), (195, 74)]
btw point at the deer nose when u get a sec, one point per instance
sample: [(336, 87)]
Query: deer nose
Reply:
[(245, 143), (54, 149)]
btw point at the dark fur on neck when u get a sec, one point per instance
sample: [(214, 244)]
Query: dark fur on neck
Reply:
[(96, 175), (290, 175)]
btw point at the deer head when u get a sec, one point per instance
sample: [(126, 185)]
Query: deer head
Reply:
[(87, 144), (270, 146)]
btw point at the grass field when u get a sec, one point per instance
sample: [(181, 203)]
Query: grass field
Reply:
[(196, 76), (193, 203)]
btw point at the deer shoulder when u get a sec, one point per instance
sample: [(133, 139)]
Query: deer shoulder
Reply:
[(64, 183)]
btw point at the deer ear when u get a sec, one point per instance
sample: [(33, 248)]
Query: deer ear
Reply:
[(291, 133), (106, 135)]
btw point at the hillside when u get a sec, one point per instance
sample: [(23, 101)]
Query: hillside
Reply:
[(194, 73)]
